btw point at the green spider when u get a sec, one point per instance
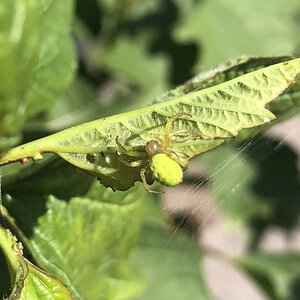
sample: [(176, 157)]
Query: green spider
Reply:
[(163, 162)]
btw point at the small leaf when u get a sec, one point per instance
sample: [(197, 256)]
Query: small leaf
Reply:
[(216, 113), (278, 274), (29, 282)]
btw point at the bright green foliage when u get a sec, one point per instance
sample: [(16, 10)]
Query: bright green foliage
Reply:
[(165, 170), (217, 112), (56, 62), (128, 53), (37, 60), (95, 228), (100, 224), (29, 282)]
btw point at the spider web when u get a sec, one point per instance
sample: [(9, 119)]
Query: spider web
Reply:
[(197, 202)]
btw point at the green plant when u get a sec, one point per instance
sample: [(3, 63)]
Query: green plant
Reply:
[(108, 239)]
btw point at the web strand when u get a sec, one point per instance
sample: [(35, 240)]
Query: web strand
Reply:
[(205, 205)]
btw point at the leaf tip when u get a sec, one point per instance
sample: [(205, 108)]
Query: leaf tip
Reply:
[(266, 120)]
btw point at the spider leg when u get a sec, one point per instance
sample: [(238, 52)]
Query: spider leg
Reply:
[(146, 185), (132, 164), (181, 160), (182, 153), (178, 132), (123, 150), (168, 128)]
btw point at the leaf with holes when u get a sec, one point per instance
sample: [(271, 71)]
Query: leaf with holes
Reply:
[(206, 118)]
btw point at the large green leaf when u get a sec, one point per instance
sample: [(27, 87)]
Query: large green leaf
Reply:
[(19, 41), (85, 244), (84, 241), (37, 60), (170, 263), (284, 106), (56, 60), (216, 113), (28, 281)]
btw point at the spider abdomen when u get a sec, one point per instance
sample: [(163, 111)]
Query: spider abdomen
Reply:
[(165, 169)]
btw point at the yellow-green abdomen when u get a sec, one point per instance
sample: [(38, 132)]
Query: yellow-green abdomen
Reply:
[(165, 170)]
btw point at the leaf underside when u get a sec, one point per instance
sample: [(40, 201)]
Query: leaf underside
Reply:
[(212, 115)]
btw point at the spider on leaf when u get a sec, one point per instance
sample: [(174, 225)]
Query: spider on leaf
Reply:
[(162, 161)]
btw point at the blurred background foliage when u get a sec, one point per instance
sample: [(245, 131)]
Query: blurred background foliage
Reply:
[(66, 62)]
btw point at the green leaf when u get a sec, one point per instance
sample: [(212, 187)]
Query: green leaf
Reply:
[(36, 33), (76, 105), (28, 281), (284, 106), (287, 104), (170, 264), (57, 60), (216, 113), (149, 70), (222, 29), (19, 36), (222, 73), (278, 274), (84, 241)]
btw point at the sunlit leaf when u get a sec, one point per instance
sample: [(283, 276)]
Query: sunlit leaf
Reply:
[(19, 36), (84, 241), (56, 60), (37, 60), (216, 113)]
